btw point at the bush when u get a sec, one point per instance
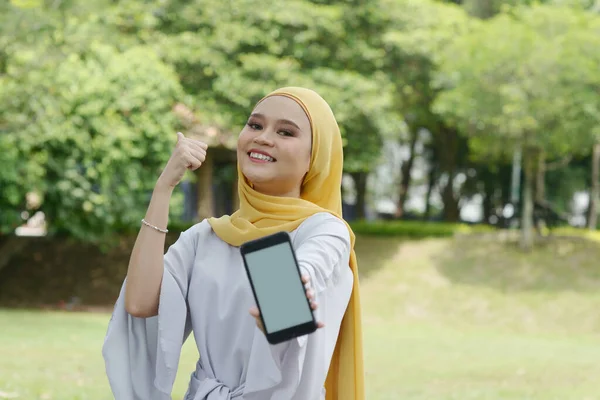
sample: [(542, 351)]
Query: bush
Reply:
[(408, 229), (415, 229)]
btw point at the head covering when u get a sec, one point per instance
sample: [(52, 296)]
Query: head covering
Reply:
[(260, 215)]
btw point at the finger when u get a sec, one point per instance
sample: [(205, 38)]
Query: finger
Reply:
[(192, 163), (320, 325), (180, 137), (198, 144), (254, 312), (313, 305), (305, 278), (310, 294), (197, 154)]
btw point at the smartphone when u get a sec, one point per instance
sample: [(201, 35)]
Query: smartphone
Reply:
[(277, 286)]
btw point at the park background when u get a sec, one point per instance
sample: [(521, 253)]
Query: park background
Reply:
[(472, 157)]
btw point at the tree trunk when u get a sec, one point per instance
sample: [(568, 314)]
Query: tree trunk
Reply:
[(449, 146), (451, 209), (540, 178), (592, 221), (526, 241), (360, 184), (405, 173), (488, 197), (431, 180)]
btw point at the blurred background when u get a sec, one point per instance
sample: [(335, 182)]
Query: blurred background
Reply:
[(472, 159)]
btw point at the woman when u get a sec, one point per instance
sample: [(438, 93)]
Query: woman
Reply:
[(290, 167)]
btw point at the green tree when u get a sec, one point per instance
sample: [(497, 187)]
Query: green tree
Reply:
[(501, 83), (414, 39), (94, 120), (580, 82), (86, 124), (228, 58)]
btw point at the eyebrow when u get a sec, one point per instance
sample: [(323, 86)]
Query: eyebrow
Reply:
[(287, 121)]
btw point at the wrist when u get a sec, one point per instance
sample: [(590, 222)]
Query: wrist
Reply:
[(163, 188)]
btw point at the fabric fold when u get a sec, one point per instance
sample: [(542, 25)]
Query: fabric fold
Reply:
[(206, 387), (263, 376), (142, 354)]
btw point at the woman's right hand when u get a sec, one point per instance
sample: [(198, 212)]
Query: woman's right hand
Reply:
[(188, 154)]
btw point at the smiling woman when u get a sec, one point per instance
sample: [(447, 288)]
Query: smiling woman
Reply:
[(274, 147), (290, 167)]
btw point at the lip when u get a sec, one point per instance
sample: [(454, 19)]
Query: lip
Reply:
[(260, 152)]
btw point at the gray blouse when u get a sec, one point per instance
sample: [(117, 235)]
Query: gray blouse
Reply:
[(205, 290)]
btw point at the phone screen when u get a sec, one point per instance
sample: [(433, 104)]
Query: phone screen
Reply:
[(279, 290)]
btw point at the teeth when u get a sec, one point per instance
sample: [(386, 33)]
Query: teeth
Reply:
[(261, 156)]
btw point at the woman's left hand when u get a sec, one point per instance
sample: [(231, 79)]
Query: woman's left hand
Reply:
[(310, 295)]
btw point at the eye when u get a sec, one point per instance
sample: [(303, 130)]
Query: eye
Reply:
[(254, 126), (286, 133)]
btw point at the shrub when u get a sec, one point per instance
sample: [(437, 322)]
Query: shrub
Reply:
[(416, 229)]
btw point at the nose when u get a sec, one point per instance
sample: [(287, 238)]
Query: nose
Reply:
[(264, 138)]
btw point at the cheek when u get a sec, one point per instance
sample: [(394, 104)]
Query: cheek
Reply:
[(243, 140), (304, 161)]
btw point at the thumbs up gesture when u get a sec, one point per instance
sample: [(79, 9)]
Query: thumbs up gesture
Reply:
[(188, 154)]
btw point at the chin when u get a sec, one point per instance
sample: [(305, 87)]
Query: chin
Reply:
[(256, 177)]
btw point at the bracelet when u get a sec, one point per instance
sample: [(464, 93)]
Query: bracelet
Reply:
[(154, 227)]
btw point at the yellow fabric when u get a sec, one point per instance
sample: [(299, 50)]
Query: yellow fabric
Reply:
[(260, 215)]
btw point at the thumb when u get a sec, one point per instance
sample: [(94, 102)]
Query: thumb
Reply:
[(180, 137)]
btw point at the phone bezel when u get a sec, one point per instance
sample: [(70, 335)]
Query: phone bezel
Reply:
[(263, 243)]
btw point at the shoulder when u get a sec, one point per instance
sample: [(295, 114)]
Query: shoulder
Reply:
[(196, 233), (318, 220), (200, 228), (322, 224)]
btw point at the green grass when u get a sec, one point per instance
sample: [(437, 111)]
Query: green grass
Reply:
[(443, 319), (477, 319)]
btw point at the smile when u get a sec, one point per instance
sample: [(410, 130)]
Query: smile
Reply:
[(260, 157)]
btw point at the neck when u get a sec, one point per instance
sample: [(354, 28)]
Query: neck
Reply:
[(277, 193)]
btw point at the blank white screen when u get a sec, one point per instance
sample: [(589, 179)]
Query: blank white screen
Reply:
[(278, 287)]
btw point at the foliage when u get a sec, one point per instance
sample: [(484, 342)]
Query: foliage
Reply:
[(501, 81), (86, 88), (89, 125), (416, 229), (509, 87), (228, 58)]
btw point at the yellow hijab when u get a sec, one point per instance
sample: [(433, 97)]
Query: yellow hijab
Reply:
[(260, 215)]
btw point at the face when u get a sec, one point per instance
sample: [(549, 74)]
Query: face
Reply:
[(274, 147)]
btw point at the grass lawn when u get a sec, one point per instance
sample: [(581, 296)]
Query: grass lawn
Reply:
[(443, 319)]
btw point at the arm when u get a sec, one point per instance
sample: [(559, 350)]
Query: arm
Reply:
[(322, 249), (297, 369), (146, 264), (145, 270)]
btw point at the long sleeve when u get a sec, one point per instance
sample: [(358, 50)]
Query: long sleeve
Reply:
[(300, 366), (142, 354)]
